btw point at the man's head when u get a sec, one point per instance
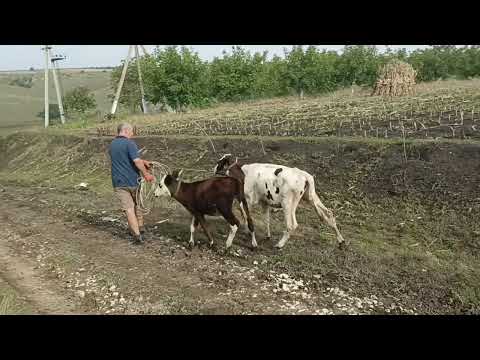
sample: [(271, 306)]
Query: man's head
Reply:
[(125, 129)]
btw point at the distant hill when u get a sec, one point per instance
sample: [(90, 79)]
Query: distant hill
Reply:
[(19, 105)]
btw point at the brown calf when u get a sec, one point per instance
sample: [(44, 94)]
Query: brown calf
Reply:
[(210, 197)]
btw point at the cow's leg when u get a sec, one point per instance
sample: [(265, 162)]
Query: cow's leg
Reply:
[(287, 206), (228, 215), (326, 215), (250, 225), (295, 201), (244, 215), (193, 225), (266, 212), (203, 223)]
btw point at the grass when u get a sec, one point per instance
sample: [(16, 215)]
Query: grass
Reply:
[(10, 301), (341, 113), (19, 106), (413, 237), (420, 246)]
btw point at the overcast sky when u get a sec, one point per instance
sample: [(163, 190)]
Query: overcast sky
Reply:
[(21, 57)]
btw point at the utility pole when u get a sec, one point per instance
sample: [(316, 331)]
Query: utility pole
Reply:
[(122, 79), (46, 87), (144, 104), (57, 86), (144, 51)]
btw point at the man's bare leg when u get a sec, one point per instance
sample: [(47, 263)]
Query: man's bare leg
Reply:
[(139, 216), (133, 224)]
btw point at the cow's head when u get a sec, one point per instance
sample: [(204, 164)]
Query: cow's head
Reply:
[(169, 184), (222, 164)]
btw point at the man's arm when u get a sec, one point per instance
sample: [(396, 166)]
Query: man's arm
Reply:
[(139, 163), (142, 165)]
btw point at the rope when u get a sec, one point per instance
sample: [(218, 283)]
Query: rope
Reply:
[(146, 190)]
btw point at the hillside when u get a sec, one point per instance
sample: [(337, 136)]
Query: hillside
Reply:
[(449, 109), (409, 207), (19, 106)]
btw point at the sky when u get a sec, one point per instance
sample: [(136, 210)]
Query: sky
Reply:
[(22, 57)]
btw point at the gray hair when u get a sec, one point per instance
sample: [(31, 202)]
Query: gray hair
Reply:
[(123, 126)]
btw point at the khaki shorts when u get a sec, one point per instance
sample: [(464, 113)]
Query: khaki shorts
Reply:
[(128, 198)]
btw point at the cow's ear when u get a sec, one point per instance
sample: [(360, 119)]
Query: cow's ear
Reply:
[(175, 174), (180, 174)]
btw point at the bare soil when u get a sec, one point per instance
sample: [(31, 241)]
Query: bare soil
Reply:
[(414, 238)]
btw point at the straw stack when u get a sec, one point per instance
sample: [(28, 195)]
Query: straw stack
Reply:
[(396, 78)]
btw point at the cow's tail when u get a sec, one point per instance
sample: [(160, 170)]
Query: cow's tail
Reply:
[(244, 206), (322, 211)]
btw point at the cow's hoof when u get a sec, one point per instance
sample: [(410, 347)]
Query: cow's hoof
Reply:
[(268, 238), (279, 247), (343, 245), (190, 245), (254, 247)]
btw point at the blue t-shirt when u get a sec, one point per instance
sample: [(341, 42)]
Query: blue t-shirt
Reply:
[(124, 172)]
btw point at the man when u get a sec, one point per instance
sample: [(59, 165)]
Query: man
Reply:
[(126, 169)]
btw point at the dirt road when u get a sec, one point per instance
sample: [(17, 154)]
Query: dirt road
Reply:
[(63, 259)]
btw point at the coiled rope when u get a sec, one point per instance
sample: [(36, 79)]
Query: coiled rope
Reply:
[(146, 190)]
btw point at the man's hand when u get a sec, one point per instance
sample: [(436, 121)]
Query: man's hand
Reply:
[(147, 164), (148, 177), (140, 164)]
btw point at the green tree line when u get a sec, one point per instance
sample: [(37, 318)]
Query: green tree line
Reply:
[(178, 77)]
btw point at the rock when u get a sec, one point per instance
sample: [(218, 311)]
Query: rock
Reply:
[(81, 294), (82, 186), (255, 262), (112, 288)]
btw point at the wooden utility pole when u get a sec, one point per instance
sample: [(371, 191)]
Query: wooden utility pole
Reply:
[(47, 110), (144, 104), (57, 87), (144, 51), (122, 79)]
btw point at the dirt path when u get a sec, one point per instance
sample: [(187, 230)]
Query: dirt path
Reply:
[(20, 273), (65, 260)]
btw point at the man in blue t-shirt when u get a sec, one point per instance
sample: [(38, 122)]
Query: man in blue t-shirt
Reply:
[(126, 169)]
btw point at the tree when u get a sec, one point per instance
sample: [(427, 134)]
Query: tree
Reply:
[(430, 64), (321, 71), (79, 100), (233, 76), (469, 62), (358, 65), (131, 95), (176, 77), (24, 81), (54, 113), (297, 64), (270, 79)]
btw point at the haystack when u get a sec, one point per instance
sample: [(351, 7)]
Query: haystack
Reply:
[(396, 78)]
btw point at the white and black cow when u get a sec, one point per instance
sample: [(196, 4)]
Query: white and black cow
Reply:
[(277, 186)]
